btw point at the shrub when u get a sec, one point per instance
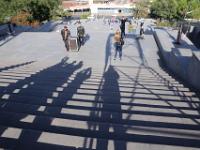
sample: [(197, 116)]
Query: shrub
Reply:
[(24, 18), (85, 15), (166, 24)]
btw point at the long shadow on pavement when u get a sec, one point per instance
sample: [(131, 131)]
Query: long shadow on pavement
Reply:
[(29, 110), (15, 66), (110, 78), (108, 101)]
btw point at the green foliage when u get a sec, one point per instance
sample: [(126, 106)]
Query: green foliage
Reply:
[(40, 10), (141, 9), (166, 24), (60, 12), (176, 9), (195, 9), (67, 14), (166, 9), (85, 15), (16, 6), (3, 12), (189, 8)]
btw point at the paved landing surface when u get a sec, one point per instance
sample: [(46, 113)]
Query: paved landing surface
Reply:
[(53, 99)]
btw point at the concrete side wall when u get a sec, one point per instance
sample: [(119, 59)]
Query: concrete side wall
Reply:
[(4, 29), (161, 45), (181, 60), (194, 35), (193, 72)]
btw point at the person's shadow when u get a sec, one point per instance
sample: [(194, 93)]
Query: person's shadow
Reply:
[(111, 95)]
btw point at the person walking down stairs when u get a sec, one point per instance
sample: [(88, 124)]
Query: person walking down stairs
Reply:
[(65, 36), (80, 35), (118, 42), (142, 30)]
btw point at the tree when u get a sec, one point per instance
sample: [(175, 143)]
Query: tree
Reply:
[(17, 6), (175, 9), (60, 12), (180, 10), (187, 8), (164, 9), (39, 11), (3, 11), (194, 9), (141, 9), (42, 10)]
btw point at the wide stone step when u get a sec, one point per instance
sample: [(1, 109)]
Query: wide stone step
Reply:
[(45, 78), (94, 115), (181, 112), (12, 75), (137, 109), (91, 89), (60, 75), (91, 129), (122, 87), (54, 98), (78, 81), (65, 78), (22, 95), (19, 138), (63, 82), (130, 112), (7, 65), (31, 139), (73, 93), (134, 77), (59, 68), (140, 96), (133, 80), (9, 140)]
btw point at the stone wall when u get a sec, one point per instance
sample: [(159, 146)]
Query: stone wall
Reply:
[(183, 60), (194, 35)]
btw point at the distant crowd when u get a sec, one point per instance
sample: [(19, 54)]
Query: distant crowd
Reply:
[(119, 35)]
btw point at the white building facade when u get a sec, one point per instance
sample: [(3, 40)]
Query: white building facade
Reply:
[(111, 9), (105, 9)]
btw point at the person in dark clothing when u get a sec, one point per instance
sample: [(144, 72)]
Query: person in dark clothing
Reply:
[(80, 34), (122, 26), (142, 30), (65, 36), (10, 28)]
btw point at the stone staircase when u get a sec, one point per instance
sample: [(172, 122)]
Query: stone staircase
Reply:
[(89, 101), (65, 106)]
